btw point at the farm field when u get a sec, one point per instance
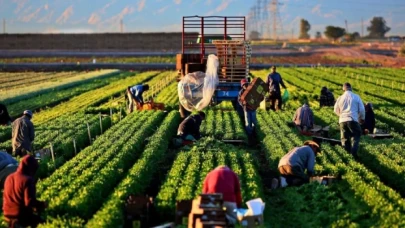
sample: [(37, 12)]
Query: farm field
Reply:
[(87, 183)]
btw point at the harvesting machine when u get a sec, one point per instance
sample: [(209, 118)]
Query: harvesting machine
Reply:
[(223, 36)]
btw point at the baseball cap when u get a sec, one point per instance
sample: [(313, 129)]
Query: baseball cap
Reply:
[(313, 143), (243, 82), (28, 112)]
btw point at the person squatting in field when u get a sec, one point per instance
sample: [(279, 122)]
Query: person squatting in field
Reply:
[(223, 180), (23, 134), (274, 81), (19, 196), (369, 123), (135, 93), (249, 113), (189, 128), (292, 166), (350, 109), (326, 99), (304, 118)]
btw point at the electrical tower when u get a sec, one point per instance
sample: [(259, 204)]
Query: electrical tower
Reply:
[(121, 26), (277, 25), (265, 18)]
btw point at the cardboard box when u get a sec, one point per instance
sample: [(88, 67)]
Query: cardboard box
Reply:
[(42, 154), (251, 221), (324, 180), (253, 216), (255, 92)]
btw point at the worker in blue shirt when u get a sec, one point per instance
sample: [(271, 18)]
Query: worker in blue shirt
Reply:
[(292, 166), (135, 93), (274, 81)]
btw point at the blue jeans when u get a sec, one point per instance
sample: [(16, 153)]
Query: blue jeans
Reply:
[(250, 120), (350, 133)]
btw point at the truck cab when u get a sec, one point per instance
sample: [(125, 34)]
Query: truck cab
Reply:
[(224, 37)]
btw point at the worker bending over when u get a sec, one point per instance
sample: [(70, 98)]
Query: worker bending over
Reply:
[(248, 112), (326, 99), (274, 81), (8, 165), (350, 109), (19, 196), (304, 118), (223, 180), (369, 123), (5, 118), (189, 128), (292, 166), (23, 134), (135, 93)]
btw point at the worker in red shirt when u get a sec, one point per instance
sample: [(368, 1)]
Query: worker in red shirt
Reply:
[(223, 180), (19, 196)]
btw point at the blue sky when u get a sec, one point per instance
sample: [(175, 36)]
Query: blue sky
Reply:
[(73, 16)]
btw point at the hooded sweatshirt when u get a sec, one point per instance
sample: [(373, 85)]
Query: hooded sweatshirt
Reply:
[(223, 180), (19, 197)]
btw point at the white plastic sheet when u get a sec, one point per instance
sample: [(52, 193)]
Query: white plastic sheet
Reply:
[(196, 89)]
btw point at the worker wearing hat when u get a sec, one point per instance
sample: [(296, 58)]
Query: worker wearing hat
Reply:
[(249, 113), (292, 166), (274, 81), (350, 109), (23, 134)]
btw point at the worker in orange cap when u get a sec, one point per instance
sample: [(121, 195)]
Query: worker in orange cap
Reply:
[(248, 112)]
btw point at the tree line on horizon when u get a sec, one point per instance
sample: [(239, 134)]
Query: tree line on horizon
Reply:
[(377, 30)]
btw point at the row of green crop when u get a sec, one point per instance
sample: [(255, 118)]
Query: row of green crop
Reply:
[(87, 99), (64, 133), (18, 94), (278, 138), (223, 125), (156, 84), (139, 176), (185, 179), (26, 80), (169, 96), (83, 189), (55, 97)]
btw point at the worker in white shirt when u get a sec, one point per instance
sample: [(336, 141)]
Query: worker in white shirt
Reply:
[(350, 109)]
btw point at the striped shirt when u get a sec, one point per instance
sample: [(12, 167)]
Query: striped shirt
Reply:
[(349, 107)]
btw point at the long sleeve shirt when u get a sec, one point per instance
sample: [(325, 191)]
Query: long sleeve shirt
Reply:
[(224, 180), (137, 91), (304, 117), (327, 99), (191, 126), (274, 81), (19, 196), (349, 107), (303, 157), (22, 133)]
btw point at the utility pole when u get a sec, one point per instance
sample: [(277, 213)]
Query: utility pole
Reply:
[(4, 26), (347, 28), (362, 28), (121, 26)]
